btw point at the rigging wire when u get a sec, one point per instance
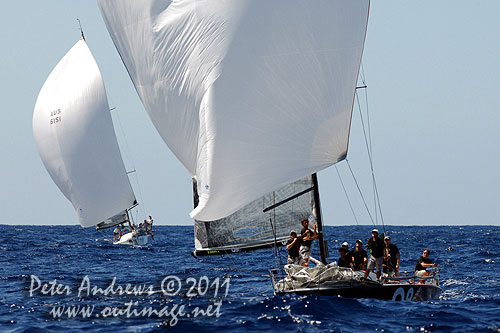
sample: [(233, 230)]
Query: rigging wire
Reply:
[(142, 206), (360, 192), (277, 252), (363, 74), (347, 195), (369, 152), (368, 143)]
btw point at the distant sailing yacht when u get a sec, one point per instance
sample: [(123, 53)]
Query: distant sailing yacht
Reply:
[(254, 98), (74, 134)]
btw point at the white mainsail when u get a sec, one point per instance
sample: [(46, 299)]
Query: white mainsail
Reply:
[(250, 95), (75, 137)]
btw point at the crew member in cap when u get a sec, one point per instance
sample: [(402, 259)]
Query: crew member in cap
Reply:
[(292, 247), (359, 256), (376, 246), (392, 256), (348, 253)]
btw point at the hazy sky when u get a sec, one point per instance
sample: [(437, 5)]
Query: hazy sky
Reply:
[(431, 68)]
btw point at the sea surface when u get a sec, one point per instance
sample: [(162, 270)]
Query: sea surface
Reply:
[(232, 292)]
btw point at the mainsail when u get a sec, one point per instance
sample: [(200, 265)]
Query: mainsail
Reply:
[(249, 95), (262, 223), (75, 137)]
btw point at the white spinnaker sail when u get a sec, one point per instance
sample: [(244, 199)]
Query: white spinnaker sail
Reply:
[(250, 95), (75, 137)]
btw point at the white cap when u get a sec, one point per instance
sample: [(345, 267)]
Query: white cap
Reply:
[(345, 244), (375, 230)]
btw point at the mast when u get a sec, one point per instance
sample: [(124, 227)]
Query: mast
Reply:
[(127, 219), (196, 198), (323, 248), (81, 30)]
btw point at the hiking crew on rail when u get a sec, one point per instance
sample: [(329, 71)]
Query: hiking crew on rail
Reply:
[(383, 256)]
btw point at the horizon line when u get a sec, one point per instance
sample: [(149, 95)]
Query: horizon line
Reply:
[(336, 225)]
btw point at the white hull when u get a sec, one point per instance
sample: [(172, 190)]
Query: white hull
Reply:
[(131, 239)]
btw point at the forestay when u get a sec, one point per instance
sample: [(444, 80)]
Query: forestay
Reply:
[(249, 95), (75, 137)]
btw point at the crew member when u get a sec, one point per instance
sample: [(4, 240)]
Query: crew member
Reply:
[(307, 237), (292, 246), (392, 256), (376, 246), (359, 256), (343, 261), (422, 263)]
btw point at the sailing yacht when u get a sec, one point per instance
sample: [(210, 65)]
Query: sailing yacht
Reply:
[(74, 134), (254, 98)]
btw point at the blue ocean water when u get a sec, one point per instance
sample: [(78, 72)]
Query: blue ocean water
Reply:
[(195, 291)]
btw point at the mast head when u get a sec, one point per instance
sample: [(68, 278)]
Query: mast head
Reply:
[(81, 30)]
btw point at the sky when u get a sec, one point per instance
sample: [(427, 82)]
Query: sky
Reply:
[(431, 68)]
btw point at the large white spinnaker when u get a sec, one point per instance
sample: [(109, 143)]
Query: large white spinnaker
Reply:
[(249, 95), (75, 137)]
